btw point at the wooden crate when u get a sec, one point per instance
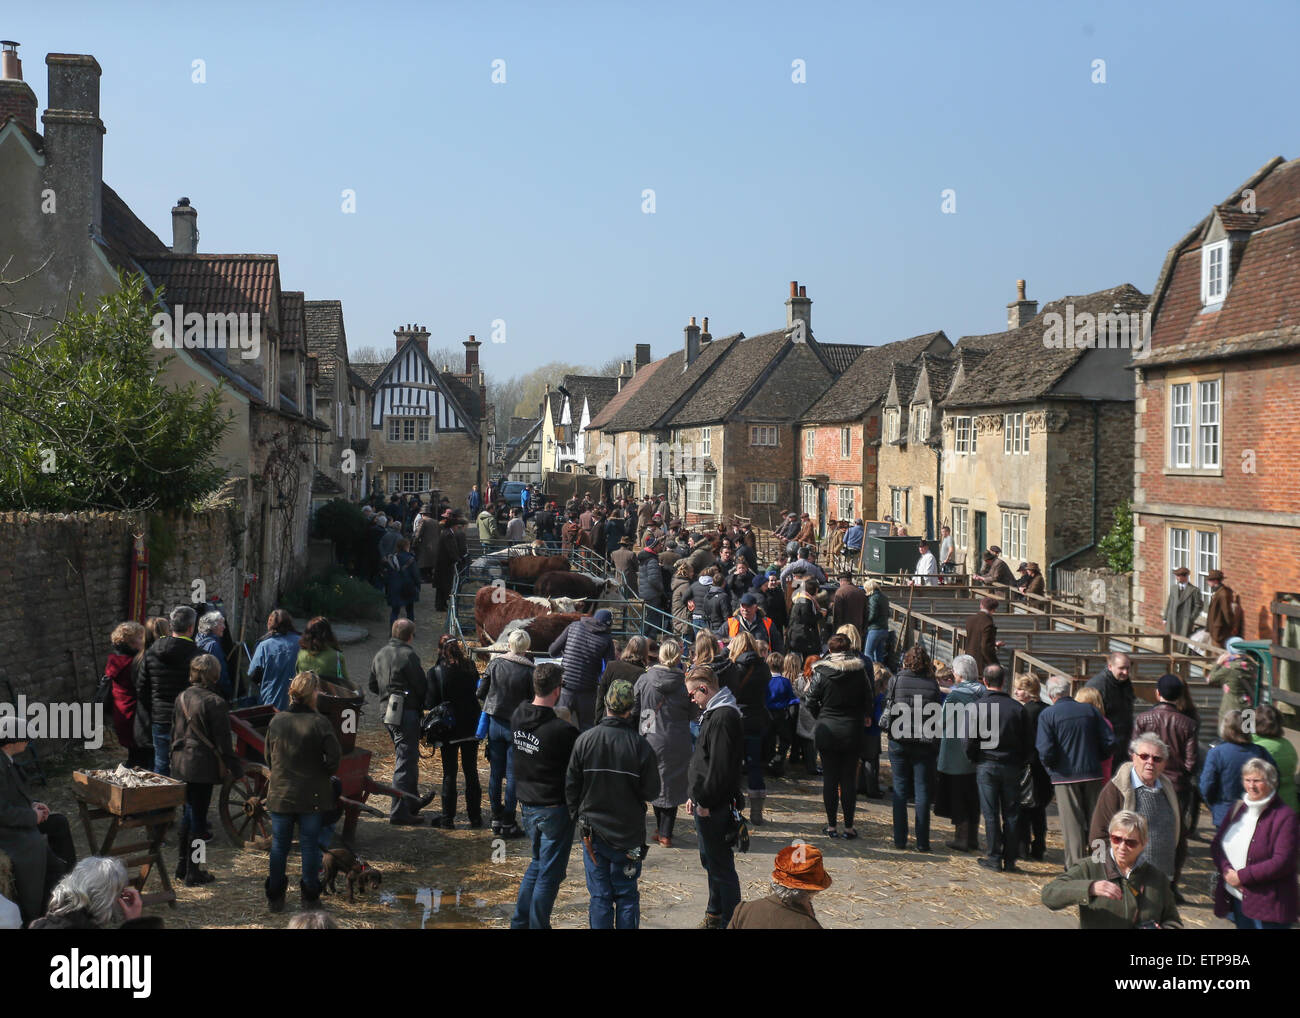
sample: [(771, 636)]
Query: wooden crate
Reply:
[(122, 801)]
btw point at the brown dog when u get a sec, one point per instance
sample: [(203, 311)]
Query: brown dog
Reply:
[(360, 876)]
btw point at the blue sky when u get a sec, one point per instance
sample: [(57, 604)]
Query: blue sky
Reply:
[(522, 201)]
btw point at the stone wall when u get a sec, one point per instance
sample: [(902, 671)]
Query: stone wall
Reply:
[(66, 580), (1100, 590)]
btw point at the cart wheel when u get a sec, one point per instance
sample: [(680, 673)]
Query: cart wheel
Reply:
[(244, 815)]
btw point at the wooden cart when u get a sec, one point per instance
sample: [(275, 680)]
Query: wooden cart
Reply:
[(242, 804), (149, 810)]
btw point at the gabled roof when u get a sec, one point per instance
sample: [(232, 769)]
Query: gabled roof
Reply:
[(554, 402), (326, 338), (467, 396), (596, 390), (463, 398), (514, 449), (1022, 368), (356, 379), (840, 356), (293, 322), (935, 374), (244, 284), (902, 384), (605, 420), (866, 381), (652, 400), (728, 378), (368, 371), (1261, 310)]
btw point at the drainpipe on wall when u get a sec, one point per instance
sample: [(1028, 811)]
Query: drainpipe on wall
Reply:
[(1096, 445)]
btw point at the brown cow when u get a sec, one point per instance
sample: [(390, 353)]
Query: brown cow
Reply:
[(546, 629), (526, 568), (494, 606), (558, 583)]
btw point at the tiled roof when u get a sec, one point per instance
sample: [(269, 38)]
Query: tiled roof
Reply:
[(467, 396), (652, 400), (1021, 368), (840, 356), (938, 372), (355, 378), (610, 418), (1261, 310), (325, 338), (866, 381), (797, 379), (293, 324), (728, 378), (368, 371), (124, 233), (520, 426), (904, 383), (244, 284), (597, 390)]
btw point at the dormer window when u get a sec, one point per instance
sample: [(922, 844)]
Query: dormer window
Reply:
[(1214, 273)]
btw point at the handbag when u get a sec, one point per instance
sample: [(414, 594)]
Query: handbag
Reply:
[(437, 726), (736, 836), (1028, 798), (103, 694)]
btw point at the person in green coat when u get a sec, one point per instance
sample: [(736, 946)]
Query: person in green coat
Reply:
[(318, 651), (1118, 892), (1234, 673), (303, 753), (1268, 735)]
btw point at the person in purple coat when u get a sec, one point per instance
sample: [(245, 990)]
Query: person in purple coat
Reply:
[(1255, 853)]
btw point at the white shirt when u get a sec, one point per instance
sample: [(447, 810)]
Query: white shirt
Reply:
[(927, 569), (1237, 838), (945, 549)]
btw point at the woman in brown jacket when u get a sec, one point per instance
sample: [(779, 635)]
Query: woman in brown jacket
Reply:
[(303, 753), (201, 756)]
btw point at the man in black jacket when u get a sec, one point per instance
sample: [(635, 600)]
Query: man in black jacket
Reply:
[(165, 675), (712, 782), (998, 761), (543, 746), (612, 774), (396, 671)]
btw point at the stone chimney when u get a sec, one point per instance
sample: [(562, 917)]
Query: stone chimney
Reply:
[(705, 338), (471, 356), (642, 357), (74, 145), (1019, 311), (185, 228), (622, 374), (692, 342), (16, 96), (417, 333), (798, 307)]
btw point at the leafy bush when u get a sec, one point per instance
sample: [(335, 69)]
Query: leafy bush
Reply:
[(87, 422), (1117, 545), (336, 595)]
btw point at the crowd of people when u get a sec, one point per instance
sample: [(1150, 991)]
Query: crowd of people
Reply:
[(605, 741)]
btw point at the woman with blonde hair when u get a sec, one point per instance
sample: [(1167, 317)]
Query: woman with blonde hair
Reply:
[(303, 753), (664, 714), (748, 679), (1093, 698), (855, 637)]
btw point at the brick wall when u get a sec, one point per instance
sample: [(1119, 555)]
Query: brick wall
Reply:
[(65, 585), (826, 459)]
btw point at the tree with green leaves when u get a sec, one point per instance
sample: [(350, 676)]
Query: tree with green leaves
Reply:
[(1117, 545), (88, 422)]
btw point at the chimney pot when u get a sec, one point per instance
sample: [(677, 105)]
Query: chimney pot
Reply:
[(1020, 289), (794, 288), (692, 319), (803, 291), (1020, 310), (185, 227), (16, 97), (706, 323)]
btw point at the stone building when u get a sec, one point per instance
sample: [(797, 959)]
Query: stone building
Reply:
[(428, 426), (67, 234), (839, 435), (1215, 486), (340, 398), (1037, 434), (582, 398)]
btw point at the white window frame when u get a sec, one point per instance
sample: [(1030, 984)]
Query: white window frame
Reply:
[(394, 429), (960, 527), (808, 500), (1214, 273), (846, 500), (706, 441), (394, 482), (1195, 423), (846, 443), (699, 494), (1015, 434), (900, 506), (963, 430), (762, 492), (422, 430), (760, 433), (809, 443), (1208, 549), (408, 429), (1015, 535), (920, 423)]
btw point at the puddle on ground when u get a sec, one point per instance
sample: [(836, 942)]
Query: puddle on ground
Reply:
[(450, 908)]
